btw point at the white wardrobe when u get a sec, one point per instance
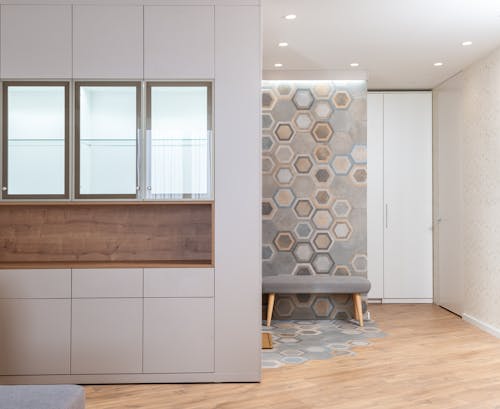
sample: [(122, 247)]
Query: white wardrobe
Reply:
[(400, 250)]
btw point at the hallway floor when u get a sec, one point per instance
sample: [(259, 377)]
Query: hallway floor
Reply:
[(429, 359)]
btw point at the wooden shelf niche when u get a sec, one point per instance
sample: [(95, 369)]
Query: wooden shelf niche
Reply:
[(106, 234)]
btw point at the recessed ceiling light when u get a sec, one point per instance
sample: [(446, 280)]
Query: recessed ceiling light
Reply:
[(290, 17), (438, 64), (278, 65), (355, 64), (466, 43), (283, 44)]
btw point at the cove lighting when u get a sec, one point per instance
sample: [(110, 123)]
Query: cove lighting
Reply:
[(283, 44), (290, 17)]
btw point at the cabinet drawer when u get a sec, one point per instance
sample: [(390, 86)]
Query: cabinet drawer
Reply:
[(107, 283), (178, 282), (35, 283), (34, 337)]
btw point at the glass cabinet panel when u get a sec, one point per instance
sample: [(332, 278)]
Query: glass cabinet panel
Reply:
[(178, 141), (107, 125), (35, 140)]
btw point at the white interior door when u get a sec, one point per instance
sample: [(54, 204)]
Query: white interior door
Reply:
[(408, 196), (448, 247)]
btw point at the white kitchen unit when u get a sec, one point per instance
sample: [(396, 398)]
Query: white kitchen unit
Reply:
[(35, 41), (94, 37), (400, 196)]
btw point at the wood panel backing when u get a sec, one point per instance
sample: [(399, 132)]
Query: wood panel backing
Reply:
[(88, 234)]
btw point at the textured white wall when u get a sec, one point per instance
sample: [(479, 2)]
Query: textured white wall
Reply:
[(481, 184)]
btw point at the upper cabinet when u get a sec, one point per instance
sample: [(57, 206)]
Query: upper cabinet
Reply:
[(107, 41), (178, 42), (35, 41)]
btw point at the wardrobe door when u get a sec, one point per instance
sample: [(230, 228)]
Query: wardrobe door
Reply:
[(408, 196)]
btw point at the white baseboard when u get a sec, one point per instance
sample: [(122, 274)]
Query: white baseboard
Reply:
[(407, 301), (374, 300), (490, 329)]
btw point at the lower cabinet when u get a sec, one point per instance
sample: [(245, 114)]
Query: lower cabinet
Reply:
[(35, 336), (178, 335), (106, 336)]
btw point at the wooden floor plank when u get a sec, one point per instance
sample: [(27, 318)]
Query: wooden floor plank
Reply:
[(429, 359)]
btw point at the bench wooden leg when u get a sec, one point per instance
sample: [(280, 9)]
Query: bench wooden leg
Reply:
[(270, 306), (358, 308)]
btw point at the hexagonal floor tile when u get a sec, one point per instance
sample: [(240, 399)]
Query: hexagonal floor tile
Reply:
[(303, 99), (303, 208), (284, 241), (322, 219), (323, 198), (342, 208), (284, 154), (303, 164), (323, 263), (342, 230), (322, 241), (284, 197), (322, 153), (322, 131), (341, 164), (284, 131), (285, 309), (322, 307), (303, 252), (341, 100)]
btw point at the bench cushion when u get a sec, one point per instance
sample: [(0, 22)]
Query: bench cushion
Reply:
[(286, 284), (42, 397)]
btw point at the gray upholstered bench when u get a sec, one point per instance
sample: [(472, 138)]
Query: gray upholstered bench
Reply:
[(42, 397), (287, 284)]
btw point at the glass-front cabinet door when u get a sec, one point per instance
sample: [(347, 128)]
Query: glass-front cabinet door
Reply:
[(178, 141), (35, 148), (107, 125)]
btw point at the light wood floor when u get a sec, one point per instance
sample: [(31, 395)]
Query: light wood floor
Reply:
[(429, 359)]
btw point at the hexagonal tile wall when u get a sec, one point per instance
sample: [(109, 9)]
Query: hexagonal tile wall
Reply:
[(267, 121), (322, 131), (303, 252), (323, 110), (268, 209), (303, 99), (360, 263), (322, 219), (341, 165), (341, 208), (359, 174), (284, 197), (314, 179), (323, 263), (359, 154), (342, 230), (322, 153), (303, 121), (303, 208), (284, 131), (323, 176), (268, 99), (284, 176), (284, 154), (323, 198), (284, 241), (267, 164), (341, 100), (322, 241), (303, 164), (303, 230)]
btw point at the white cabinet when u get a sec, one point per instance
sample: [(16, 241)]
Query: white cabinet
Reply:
[(178, 42), (35, 41), (35, 336), (106, 336), (107, 41), (178, 282), (107, 283), (178, 335), (401, 195)]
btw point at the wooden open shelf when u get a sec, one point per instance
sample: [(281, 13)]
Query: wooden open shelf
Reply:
[(106, 234)]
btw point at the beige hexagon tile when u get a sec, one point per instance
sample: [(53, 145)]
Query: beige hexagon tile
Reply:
[(323, 263), (284, 197), (303, 121), (322, 241), (341, 100), (284, 154), (322, 110), (322, 307), (268, 99), (303, 164), (303, 208), (284, 176), (303, 252), (341, 271), (267, 164), (322, 131), (342, 230), (359, 154), (322, 219), (322, 154), (341, 208), (359, 174), (284, 131), (341, 164), (323, 175), (284, 241), (303, 98), (323, 198), (323, 89)]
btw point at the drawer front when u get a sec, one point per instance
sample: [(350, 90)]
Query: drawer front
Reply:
[(107, 283), (36, 283), (179, 282)]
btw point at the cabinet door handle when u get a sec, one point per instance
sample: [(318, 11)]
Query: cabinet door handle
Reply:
[(386, 216)]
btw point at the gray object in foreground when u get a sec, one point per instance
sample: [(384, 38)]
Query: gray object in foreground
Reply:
[(42, 397)]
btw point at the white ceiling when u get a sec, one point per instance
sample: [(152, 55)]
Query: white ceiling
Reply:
[(396, 42)]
